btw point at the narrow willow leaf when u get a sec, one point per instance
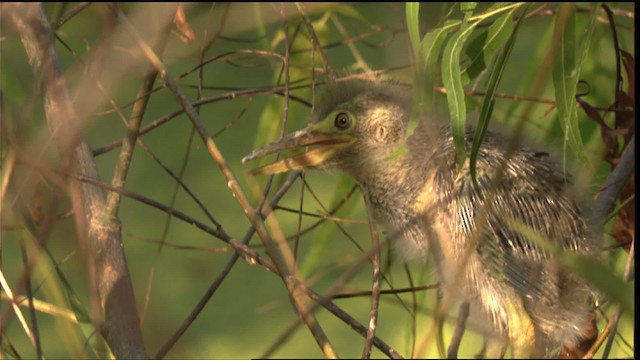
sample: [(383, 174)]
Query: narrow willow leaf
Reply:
[(413, 26), (488, 101), (412, 10), (585, 42), (56, 293), (468, 7), (426, 55), (349, 11), (497, 6), (498, 34), (452, 80), (565, 74), (29, 235), (483, 47), (430, 49)]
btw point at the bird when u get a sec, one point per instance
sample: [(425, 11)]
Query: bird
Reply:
[(433, 208)]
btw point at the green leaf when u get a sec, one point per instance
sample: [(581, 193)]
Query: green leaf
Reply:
[(29, 236), (56, 289), (585, 42), (452, 80), (483, 47), (489, 98), (413, 26), (429, 54), (468, 7), (424, 81), (348, 10), (412, 10), (565, 74)]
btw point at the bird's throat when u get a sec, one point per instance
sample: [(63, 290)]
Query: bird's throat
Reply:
[(396, 183)]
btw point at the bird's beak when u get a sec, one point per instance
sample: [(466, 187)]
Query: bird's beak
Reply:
[(324, 145)]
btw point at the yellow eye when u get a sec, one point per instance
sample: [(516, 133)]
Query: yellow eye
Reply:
[(342, 121)]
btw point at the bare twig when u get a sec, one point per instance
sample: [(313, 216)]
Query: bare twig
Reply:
[(389, 351), (613, 185), (375, 287), (332, 76), (284, 266), (71, 13), (32, 311), (4, 285), (137, 113), (129, 142), (253, 257), (456, 338), (223, 274)]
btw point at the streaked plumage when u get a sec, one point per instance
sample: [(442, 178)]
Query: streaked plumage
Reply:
[(430, 209)]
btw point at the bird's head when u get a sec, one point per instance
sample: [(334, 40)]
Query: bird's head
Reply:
[(357, 124)]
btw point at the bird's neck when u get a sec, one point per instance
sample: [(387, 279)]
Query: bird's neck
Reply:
[(401, 188), (403, 178), (395, 183)]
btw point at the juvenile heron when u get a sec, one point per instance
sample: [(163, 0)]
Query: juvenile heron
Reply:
[(429, 208)]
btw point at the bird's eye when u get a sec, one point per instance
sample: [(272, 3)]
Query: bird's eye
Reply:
[(342, 121)]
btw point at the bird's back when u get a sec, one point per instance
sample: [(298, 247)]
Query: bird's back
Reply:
[(502, 224)]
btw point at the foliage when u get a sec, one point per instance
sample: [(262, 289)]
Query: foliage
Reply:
[(169, 98)]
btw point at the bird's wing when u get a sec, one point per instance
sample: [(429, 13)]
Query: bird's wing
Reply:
[(529, 192)]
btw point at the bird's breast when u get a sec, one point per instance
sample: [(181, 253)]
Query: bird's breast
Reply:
[(413, 220)]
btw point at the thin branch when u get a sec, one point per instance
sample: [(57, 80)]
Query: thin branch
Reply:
[(43, 307), (223, 274), (253, 257), (4, 286), (284, 266), (367, 293), (71, 13), (316, 45), (456, 338), (613, 185), (137, 113), (211, 99), (327, 304), (375, 287), (129, 142), (32, 310)]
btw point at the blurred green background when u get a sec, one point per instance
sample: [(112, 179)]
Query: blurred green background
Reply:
[(251, 311)]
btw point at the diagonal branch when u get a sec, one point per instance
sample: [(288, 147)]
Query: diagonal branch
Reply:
[(613, 185), (284, 266)]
